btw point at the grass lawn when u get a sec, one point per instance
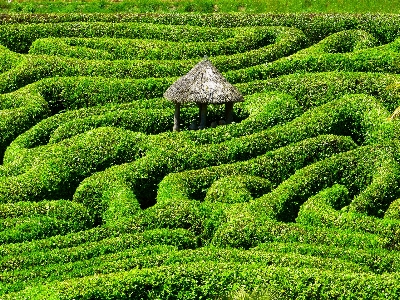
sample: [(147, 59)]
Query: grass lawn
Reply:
[(203, 6)]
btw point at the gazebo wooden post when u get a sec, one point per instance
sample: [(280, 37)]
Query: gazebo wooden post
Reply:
[(228, 112), (203, 115), (177, 116)]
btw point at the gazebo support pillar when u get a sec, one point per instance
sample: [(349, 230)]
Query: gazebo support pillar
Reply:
[(177, 116), (203, 115), (228, 112)]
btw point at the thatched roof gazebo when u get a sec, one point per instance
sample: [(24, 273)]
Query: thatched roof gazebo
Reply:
[(203, 84)]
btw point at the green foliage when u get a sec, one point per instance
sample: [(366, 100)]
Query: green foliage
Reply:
[(244, 39), (237, 189), (23, 221), (322, 209), (203, 6), (297, 198)]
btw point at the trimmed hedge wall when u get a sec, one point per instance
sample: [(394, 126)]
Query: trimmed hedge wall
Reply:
[(155, 256), (274, 167), (316, 26), (180, 238), (244, 39), (56, 174), (208, 280), (24, 221)]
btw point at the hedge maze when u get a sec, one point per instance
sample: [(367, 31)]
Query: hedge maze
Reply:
[(298, 198)]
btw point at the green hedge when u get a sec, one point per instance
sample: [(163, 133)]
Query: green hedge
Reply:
[(36, 227), (9, 59), (183, 162), (245, 39), (323, 209), (379, 59), (24, 221), (19, 37), (210, 280), (342, 42), (241, 227), (316, 26), (311, 90), (355, 169), (36, 67), (18, 115), (274, 166), (377, 260), (315, 148), (180, 238), (57, 242), (154, 256), (237, 189), (393, 212), (36, 102), (69, 92), (144, 175), (61, 169)]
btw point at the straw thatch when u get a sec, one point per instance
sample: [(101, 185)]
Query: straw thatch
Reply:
[(203, 84)]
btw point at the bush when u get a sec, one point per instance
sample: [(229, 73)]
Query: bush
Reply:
[(155, 256), (310, 124), (243, 39), (242, 228), (19, 37), (62, 168), (393, 211), (274, 166), (237, 189), (180, 238), (24, 221), (210, 280), (322, 209), (383, 26)]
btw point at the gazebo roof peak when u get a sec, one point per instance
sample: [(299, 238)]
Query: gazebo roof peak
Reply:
[(203, 84)]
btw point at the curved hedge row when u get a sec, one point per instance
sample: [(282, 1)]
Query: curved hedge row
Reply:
[(274, 167), (154, 256), (24, 221), (208, 280), (56, 173), (322, 120), (383, 26), (19, 37), (245, 39)]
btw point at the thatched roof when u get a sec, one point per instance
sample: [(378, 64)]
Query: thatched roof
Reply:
[(203, 84)]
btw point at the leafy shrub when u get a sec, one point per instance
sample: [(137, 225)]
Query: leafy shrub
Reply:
[(393, 211), (61, 171), (205, 279), (322, 209), (244, 39), (23, 221), (237, 189), (179, 237)]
